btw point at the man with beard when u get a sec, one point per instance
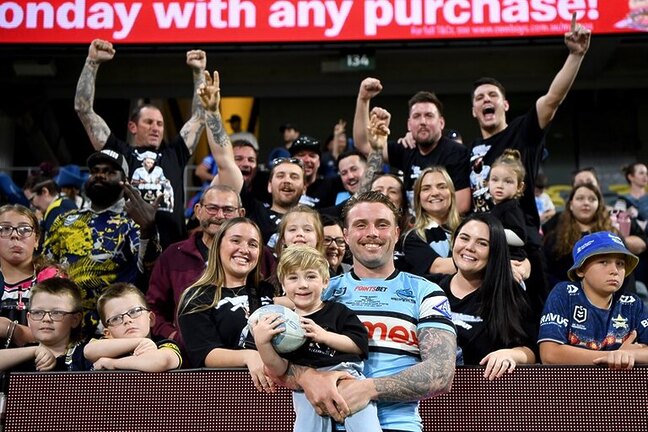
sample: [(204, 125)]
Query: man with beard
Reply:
[(286, 184), (114, 240), (182, 263), (146, 130), (320, 191), (412, 344), (425, 125)]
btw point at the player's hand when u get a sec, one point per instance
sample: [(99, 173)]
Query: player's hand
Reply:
[(145, 345), (577, 38), (320, 388), (498, 363), (357, 393), (197, 60), (261, 381), (104, 363), (44, 359), (407, 141), (101, 51), (369, 88), (209, 92)]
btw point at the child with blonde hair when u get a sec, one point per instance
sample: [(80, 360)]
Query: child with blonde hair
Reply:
[(337, 340)]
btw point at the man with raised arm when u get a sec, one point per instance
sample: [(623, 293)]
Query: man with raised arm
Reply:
[(425, 125), (160, 165), (286, 183), (525, 133), (412, 341)]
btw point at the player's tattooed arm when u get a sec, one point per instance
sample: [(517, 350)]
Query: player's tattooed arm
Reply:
[(432, 377)]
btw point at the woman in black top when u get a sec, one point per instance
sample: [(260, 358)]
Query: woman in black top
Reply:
[(213, 312), (489, 309)]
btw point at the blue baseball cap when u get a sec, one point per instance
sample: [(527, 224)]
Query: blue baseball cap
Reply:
[(600, 243)]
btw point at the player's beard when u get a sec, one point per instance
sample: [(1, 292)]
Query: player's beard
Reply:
[(103, 194)]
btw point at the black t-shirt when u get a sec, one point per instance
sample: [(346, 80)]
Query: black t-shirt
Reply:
[(473, 336), (258, 187), (165, 178), (322, 192), (336, 318), (221, 326), (448, 154), (523, 134), (417, 255)]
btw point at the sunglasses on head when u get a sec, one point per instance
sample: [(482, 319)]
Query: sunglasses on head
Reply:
[(278, 161)]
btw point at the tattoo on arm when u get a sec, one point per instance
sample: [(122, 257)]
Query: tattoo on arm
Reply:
[(96, 128), (374, 165), (432, 377), (193, 128), (217, 130)]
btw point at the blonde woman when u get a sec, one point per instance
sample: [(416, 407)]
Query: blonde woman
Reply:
[(426, 247)]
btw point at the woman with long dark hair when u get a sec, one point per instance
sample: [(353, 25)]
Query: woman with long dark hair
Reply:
[(489, 308)]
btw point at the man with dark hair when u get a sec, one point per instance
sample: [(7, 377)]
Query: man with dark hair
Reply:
[(286, 184), (351, 167), (146, 128), (425, 125), (525, 133)]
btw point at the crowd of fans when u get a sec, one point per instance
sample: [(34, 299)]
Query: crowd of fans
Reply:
[(447, 255)]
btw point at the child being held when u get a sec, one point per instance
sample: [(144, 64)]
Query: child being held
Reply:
[(337, 340), (127, 322), (54, 318), (591, 321)]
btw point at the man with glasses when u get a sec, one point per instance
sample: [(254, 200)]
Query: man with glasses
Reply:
[(115, 240), (182, 263)]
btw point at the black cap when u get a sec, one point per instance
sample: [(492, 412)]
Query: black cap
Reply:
[(304, 142), (234, 118), (110, 156)]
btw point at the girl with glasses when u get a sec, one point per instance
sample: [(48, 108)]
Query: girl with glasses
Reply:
[(20, 269)]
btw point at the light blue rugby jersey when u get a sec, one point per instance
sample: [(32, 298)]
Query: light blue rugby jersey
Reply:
[(393, 310)]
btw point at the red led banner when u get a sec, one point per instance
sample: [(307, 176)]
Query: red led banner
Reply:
[(245, 21)]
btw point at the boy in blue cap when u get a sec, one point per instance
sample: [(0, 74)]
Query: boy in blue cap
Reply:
[(590, 314)]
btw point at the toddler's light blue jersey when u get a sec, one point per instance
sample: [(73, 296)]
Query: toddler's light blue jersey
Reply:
[(393, 310)]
